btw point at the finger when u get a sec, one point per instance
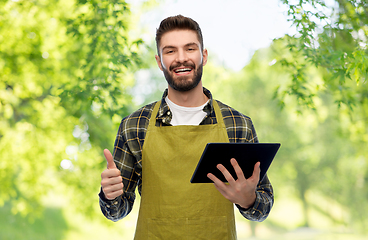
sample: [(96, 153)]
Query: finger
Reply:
[(109, 159), (214, 179), (238, 170), (115, 180), (113, 195), (110, 173), (219, 185), (256, 171), (108, 181), (226, 173), (113, 188)]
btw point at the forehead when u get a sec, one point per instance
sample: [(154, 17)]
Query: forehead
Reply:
[(178, 38)]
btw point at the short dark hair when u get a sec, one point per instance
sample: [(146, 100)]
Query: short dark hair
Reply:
[(174, 23)]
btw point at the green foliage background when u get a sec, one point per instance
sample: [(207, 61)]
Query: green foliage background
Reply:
[(70, 70), (65, 67)]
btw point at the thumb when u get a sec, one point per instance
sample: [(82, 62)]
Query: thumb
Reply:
[(109, 159)]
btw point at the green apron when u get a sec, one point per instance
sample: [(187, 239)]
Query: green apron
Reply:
[(171, 207)]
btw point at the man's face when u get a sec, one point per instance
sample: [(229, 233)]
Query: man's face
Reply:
[(181, 59)]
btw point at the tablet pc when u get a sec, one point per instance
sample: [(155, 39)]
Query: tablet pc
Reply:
[(246, 154)]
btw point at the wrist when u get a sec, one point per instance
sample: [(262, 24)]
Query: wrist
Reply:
[(249, 202)]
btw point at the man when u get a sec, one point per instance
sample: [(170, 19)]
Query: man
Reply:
[(158, 147)]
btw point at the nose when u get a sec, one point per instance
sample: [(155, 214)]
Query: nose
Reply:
[(181, 56)]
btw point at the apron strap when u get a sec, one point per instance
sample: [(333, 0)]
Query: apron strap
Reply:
[(219, 117), (153, 118)]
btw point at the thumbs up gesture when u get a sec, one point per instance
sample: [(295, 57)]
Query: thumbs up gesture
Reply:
[(111, 180)]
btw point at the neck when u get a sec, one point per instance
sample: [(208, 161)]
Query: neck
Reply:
[(192, 98)]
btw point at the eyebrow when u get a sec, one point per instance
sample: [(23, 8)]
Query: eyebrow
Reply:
[(186, 45)]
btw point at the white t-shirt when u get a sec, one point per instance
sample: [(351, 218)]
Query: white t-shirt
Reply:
[(186, 115)]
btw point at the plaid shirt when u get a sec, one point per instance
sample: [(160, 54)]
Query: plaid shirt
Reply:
[(128, 156)]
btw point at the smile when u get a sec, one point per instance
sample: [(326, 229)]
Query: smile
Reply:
[(182, 70)]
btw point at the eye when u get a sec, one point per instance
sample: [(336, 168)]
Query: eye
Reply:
[(169, 51)]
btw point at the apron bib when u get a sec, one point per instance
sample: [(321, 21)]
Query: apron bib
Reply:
[(171, 207)]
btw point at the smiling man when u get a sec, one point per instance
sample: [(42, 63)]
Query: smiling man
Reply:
[(158, 147), (184, 60)]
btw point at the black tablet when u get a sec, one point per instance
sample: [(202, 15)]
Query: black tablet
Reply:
[(246, 154)]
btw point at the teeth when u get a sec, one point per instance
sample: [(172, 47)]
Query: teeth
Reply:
[(183, 70)]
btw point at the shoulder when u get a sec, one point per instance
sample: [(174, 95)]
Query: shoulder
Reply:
[(132, 131), (144, 113), (230, 113), (137, 120), (239, 126)]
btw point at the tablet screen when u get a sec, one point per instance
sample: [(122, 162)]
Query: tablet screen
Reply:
[(246, 154)]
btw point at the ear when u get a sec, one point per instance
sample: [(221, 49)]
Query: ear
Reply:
[(205, 56), (158, 60)]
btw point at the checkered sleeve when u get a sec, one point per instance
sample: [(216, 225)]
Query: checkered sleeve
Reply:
[(240, 128), (127, 157)]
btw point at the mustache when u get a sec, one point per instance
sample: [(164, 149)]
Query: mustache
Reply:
[(182, 65)]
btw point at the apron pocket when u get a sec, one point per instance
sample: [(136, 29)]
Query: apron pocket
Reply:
[(188, 228)]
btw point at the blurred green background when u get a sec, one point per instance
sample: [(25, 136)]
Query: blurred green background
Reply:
[(71, 70)]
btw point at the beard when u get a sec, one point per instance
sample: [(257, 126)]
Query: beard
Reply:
[(182, 83)]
